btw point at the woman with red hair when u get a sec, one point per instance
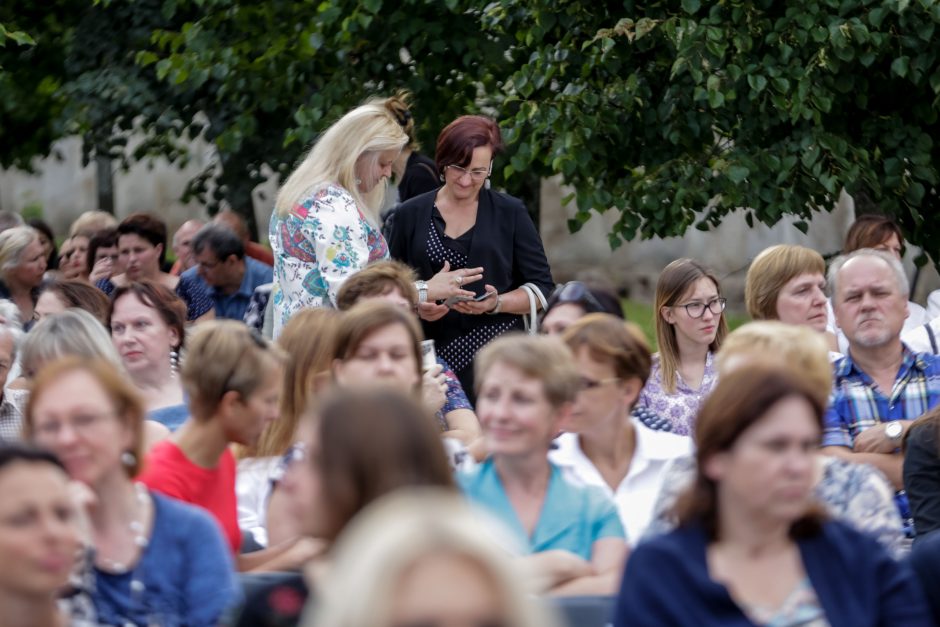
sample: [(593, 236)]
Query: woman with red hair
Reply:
[(474, 233)]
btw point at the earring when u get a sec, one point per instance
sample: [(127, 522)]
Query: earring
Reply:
[(487, 183), (128, 459), (358, 181), (174, 362), (441, 176)]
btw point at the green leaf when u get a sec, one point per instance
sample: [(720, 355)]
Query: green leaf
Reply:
[(900, 66), (757, 82), (738, 173), (691, 6)]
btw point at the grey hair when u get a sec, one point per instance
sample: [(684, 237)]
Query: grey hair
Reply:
[(13, 242), (900, 278), (73, 332), (220, 239)]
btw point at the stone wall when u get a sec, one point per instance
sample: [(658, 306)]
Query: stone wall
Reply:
[(64, 189)]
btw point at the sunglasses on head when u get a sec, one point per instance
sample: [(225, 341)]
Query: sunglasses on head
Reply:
[(575, 292)]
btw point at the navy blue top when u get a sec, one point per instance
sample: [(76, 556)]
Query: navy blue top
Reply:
[(858, 585), (231, 306), (187, 573)]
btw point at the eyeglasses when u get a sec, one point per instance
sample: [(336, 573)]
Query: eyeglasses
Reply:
[(575, 292), (697, 310), (80, 422), (477, 174), (590, 384)]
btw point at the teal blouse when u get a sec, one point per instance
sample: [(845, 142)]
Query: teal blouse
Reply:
[(574, 516)]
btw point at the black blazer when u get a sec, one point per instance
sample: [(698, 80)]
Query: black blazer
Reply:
[(505, 243)]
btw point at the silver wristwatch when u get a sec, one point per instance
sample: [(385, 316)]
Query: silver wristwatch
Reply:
[(894, 431), (422, 291)]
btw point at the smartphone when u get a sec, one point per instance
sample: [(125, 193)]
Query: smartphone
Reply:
[(428, 355), (463, 299)]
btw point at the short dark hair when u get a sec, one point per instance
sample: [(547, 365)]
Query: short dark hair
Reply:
[(162, 299), (105, 238), (221, 240), (146, 227), (21, 452), (52, 263), (456, 143)]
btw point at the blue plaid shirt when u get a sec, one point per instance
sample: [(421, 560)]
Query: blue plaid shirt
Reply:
[(857, 404)]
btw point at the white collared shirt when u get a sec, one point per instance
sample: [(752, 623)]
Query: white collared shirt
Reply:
[(636, 494)]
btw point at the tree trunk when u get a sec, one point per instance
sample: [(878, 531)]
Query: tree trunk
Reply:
[(105, 178)]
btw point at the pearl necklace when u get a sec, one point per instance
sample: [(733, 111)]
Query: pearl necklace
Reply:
[(136, 527)]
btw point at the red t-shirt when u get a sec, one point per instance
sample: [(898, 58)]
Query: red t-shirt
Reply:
[(168, 471)]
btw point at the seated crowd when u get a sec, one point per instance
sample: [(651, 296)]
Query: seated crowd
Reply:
[(343, 440)]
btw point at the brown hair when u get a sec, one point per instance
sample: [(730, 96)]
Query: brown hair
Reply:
[(773, 268), (106, 238), (399, 106), (373, 442), (611, 340), (146, 227), (674, 281), (378, 279), (870, 231), (541, 357), (365, 319), (307, 339), (224, 356), (80, 295), (458, 140), (738, 402), (127, 402), (169, 306)]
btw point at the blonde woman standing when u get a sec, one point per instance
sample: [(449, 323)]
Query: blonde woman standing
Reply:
[(325, 225)]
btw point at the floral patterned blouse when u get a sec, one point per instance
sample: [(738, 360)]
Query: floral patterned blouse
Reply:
[(680, 407), (322, 241)]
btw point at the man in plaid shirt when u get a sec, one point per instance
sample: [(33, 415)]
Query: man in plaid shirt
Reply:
[(880, 386)]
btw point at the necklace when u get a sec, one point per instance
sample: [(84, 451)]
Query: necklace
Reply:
[(136, 527)]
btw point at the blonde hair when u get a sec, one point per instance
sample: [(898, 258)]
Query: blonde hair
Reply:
[(773, 268), (541, 357), (797, 347), (128, 405), (674, 281), (308, 341), (12, 244), (361, 134), (394, 535), (224, 356), (90, 222), (73, 332)]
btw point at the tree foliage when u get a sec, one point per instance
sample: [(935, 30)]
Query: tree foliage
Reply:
[(677, 113), (672, 113)]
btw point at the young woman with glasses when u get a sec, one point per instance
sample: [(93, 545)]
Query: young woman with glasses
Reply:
[(465, 233), (689, 329)]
